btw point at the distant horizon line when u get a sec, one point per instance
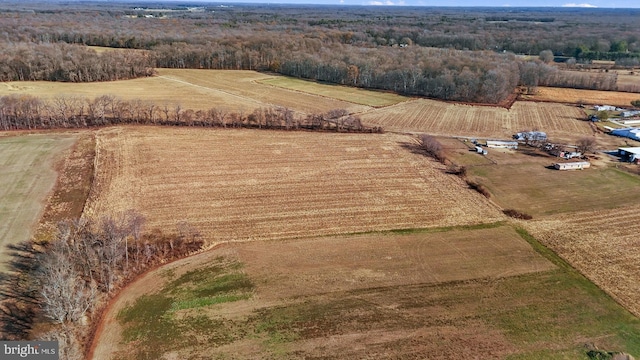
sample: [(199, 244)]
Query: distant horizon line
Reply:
[(569, 6)]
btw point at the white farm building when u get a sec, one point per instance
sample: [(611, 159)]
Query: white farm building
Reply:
[(497, 144), (578, 165)]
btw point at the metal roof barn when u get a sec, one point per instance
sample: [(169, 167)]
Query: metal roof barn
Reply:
[(631, 133)]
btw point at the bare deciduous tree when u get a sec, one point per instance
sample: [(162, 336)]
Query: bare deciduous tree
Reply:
[(66, 297), (586, 144), (432, 147)]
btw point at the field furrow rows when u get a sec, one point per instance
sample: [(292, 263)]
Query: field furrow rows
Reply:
[(217, 181), (561, 122), (602, 244)]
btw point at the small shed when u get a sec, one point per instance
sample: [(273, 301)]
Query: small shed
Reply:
[(480, 150), (630, 154), (498, 144), (578, 165)]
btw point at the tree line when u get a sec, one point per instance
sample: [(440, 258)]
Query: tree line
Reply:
[(18, 112), (88, 260), (70, 63), (440, 53), (538, 73), (68, 279), (566, 31)]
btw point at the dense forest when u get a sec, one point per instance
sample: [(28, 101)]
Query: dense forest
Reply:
[(461, 54)]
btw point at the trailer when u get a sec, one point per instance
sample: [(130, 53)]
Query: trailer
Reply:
[(578, 165)]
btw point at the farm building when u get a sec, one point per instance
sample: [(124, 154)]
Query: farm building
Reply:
[(498, 144), (579, 165), (531, 136), (480, 150), (629, 113), (631, 133), (605, 108), (630, 122), (630, 154)]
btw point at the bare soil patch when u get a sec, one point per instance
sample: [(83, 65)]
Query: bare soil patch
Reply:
[(75, 176)]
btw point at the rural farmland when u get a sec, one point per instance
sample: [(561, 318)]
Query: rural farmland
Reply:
[(527, 183), (238, 91), (605, 247), (561, 122), (345, 93), (247, 185), (27, 177), (292, 181), (445, 294), (362, 219), (574, 96)]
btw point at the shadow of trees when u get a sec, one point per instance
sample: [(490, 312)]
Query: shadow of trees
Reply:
[(19, 294)]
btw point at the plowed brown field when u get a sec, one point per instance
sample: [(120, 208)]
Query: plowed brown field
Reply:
[(244, 184), (561, 122), (603, 245)]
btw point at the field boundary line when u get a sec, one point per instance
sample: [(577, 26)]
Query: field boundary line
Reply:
[(563, 264), (371, 107), (245, 98)]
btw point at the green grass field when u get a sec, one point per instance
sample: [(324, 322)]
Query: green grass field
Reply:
[(537, 190), (26, 177), (548, 314), (152, 321), (345, 93)]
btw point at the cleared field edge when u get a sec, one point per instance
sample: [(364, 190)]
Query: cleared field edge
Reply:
[(354, 185), (354, 95), (72, 187), (29, 176), (108, 329)]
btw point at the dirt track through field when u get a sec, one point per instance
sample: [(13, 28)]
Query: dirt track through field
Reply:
[(213, 90)]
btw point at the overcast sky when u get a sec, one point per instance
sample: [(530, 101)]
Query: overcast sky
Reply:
[(492, 3)]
